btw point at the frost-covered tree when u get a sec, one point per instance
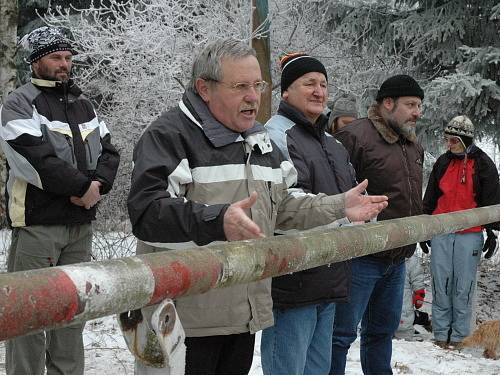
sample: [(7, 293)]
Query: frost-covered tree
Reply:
[(453, 46), (135, 56), (8, 29), (299, 25), (134, 60), (8, 41)]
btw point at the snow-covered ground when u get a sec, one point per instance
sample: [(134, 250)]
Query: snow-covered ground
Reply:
[(106, 352)]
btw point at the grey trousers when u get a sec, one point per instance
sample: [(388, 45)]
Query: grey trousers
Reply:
[(454, 262), (60, 350)]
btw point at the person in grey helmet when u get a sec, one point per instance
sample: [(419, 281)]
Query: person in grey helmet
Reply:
[(464, 177), (344, 111), (60, 162)]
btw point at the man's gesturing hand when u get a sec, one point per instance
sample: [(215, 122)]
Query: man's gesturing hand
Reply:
[(237, 225), (363, 207)]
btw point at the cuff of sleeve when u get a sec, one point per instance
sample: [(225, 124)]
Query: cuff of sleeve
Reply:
[(84, 189), (103, 189), (213, 218), (337, 206), (344, 221)]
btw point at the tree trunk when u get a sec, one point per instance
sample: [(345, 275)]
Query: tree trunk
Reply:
[(8, 41), (261, 44)]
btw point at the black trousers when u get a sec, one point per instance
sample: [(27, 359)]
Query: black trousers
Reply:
[(219, 355)]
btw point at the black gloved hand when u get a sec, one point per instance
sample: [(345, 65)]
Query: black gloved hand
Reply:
[(490, 244), (425, 246)]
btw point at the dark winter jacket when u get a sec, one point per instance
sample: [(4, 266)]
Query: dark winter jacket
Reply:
[(485, 183), (393, 166), (55, 147), (323, 166)]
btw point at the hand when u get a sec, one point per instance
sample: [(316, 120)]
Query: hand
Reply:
[(425, 246), (418, 298), (360, 207), (77, 201), (92, 195), (490, 245), (237, 225)]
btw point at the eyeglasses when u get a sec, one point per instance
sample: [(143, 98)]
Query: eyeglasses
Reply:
[(451, 140), (243, 87)]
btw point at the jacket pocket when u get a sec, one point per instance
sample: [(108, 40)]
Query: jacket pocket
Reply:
[(93, 149), (62, 144)]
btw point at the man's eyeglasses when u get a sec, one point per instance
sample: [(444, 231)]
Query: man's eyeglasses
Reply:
[(451, 140), (243, 87)]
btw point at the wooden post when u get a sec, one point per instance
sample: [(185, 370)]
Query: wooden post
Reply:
[(261, 44)]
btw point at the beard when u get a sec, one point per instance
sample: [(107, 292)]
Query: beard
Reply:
[(59, 75), (406, 130)]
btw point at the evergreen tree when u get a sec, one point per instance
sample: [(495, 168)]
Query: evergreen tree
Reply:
[(452, 46)]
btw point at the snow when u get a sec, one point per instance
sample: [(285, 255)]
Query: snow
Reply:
[(106, 352)]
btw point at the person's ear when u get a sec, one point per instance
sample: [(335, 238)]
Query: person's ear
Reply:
[(285, 95), (34, 66), (388, 104), (202, 89)]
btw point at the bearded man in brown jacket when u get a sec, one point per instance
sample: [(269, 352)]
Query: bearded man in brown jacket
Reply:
[(384, 150)]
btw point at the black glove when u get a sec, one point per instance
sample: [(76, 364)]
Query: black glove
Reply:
[(422, 318), (425, 246), (490, 244)]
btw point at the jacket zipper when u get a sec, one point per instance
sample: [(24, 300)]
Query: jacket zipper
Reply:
[(65, 100), (269, 184), (405, 159), (273, 203), (67, 137), (90, 152)]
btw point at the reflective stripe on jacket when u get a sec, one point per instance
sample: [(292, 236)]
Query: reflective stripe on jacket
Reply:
[(55, 146)]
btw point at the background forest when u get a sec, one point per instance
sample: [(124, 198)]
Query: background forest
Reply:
[(135, 57)]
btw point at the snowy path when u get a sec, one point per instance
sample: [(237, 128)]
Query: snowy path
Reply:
[(106, 354)]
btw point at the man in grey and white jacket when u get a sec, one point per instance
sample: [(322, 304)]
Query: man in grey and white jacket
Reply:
[(60, 162), (205, 171)]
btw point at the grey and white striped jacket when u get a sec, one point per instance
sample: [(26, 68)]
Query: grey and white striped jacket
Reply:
[(55, 146), (188, 168)]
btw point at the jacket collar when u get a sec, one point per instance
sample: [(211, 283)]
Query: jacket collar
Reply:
[(389, 135), (58, 87), (219, 135), (471, 152), (293, 114)]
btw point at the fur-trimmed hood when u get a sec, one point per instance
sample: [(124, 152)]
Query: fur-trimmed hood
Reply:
[(385, 130)]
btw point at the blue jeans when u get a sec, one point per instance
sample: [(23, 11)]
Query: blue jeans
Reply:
[(299, 343), (376, 299), (454, 261)]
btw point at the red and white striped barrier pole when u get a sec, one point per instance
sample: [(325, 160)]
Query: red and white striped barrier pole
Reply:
[(36, 300)]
